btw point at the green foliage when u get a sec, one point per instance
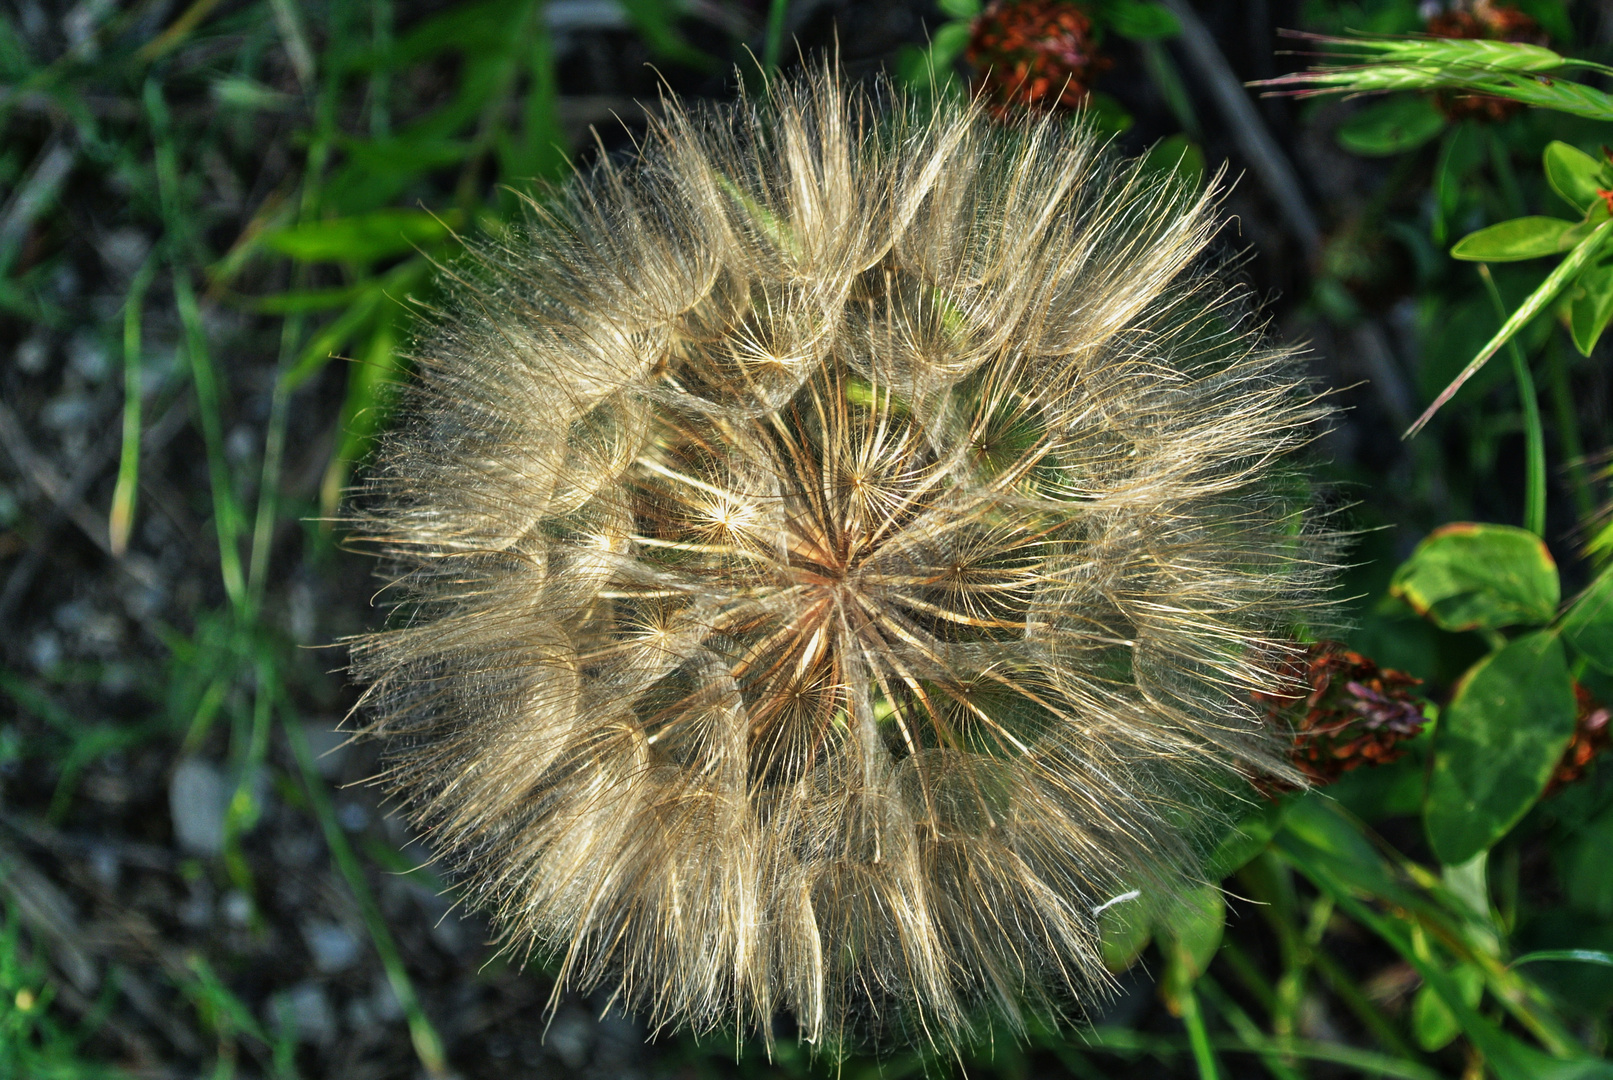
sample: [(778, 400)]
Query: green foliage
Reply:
[(1392, 126), (383, 193), (1497, 743), (1479, 577)]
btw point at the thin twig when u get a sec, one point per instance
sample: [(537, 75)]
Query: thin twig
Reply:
[(1254, 142)]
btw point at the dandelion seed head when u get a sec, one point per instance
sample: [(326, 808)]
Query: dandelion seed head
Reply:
[(838, 546)]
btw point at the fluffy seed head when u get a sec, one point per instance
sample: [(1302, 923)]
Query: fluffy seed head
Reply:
[(836, 549)]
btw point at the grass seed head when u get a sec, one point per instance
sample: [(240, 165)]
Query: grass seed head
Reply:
[(835, 551)]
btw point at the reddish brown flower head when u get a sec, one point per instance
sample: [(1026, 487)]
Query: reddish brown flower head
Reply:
[(1038, 54), (1495, 22), (1345, 711), (1592, 734)]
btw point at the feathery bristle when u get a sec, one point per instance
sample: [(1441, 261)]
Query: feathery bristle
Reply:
[(837, 549)]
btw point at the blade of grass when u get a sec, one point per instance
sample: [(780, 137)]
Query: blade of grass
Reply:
[(125, 493), (427, 1044), (204, 380), (1571, 448), (1364, 1062), (1245, 1028), (1536, 302), (1489, 1040), (773, 41), (1198, 1036), (1534, 491)]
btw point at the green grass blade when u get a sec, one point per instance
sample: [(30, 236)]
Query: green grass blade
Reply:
[(1534, 492), (427, 1043), (125, 493), (1536, 302)]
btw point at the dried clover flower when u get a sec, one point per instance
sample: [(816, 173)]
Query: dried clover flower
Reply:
[(1480, 19), (1040, 54), (1346, 712), (1592, 735), (836, 548)]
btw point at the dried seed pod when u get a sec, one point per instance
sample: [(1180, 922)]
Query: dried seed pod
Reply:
[(836, 549)]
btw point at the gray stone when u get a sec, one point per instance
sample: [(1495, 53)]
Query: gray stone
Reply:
[(307, 1007), (571, 1037), (333, 947), (197, 800)]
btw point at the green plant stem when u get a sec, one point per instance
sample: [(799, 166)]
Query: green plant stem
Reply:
[(1484, 1035), (1371, 1017), (1506, 176), (1168, 81), (773, 42), (427, 1044), (204, 379), (1533, 305), (125, 494), (1571, 446), (1534, 492), (1198, 1036), (1247, 973), (1362, 1062), (1245, 1028)]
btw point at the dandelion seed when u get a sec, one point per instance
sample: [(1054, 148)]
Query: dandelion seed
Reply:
[(857, 684)]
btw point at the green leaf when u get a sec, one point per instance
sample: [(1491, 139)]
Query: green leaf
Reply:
[(1107, 115), (1479, 577), (1329, 834), (1511, 241), (1590, 307), (1432, 1022), (1588, 623), (1580, 956), (960, 9), (1124, 930), (1496, 745), (1178, 154), (656, 23), (1391, 127), (361, 237), (1141, 21), (1576, 176), (1536, 302), (1245, 840), (1194, 926), (948, 44), (1584, 868)]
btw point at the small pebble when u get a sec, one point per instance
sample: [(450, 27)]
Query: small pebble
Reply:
[(32, 355), (308, 1007), (352, 816), (333, 947), (571, 1037), (237, 908), (197, 801), (328, 747)]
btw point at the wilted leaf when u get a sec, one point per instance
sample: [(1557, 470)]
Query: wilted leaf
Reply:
[(1470, 576), (1496, 745), (1391, 127), (1511, 241)]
